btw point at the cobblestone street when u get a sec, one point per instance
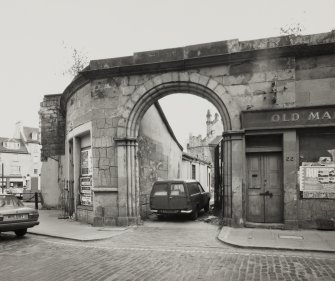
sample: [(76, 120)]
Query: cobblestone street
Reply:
[(156, 251)]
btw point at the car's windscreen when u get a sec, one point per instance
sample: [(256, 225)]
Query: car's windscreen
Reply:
[(10, 201), (177, 189), (160, 189)]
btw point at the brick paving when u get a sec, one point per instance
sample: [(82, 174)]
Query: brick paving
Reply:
[(155, 251)]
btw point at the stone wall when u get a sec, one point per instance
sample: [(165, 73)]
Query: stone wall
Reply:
[(113, 95), (158, 153), (52, 127)]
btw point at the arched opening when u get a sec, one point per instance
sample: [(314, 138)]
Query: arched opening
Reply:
[(177, 139), (128, 129), (160, 91)]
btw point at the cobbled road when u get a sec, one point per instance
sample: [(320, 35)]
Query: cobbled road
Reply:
[(168, 250)]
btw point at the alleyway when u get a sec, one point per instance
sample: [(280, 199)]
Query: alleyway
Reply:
[(158, 250)]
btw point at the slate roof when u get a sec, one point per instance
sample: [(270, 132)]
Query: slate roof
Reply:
[(21, 150), (166, 122)]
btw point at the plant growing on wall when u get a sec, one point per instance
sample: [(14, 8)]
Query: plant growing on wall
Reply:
[(292, 29), (79, 61)]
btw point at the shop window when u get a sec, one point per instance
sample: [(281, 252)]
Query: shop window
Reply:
[(316, 143), (317, 163)]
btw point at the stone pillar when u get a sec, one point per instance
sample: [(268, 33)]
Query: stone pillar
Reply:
[(128, 182), (290, 165), (233, 177)]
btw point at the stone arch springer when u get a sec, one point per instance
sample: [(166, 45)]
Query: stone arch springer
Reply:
[(128, 125)]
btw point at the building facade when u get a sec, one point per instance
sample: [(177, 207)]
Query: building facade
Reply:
[(20, 157), (274, 97), (204, 148)]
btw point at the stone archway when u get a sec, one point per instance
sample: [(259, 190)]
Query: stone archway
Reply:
[(128, 126)]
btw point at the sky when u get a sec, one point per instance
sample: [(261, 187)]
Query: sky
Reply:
[(38, 36)]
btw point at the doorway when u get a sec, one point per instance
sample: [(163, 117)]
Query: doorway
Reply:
[(264, 188)]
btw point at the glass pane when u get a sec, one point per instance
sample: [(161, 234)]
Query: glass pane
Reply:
[(177, 190), (160, 189), (201, 189)]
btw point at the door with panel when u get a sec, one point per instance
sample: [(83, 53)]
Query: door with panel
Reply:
[(265, 188)]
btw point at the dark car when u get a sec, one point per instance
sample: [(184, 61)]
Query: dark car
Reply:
[(178, 197), (14, 216)]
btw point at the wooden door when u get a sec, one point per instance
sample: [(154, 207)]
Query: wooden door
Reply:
[(264, 189)]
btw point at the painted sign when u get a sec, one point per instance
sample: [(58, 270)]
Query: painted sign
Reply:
[(288, 118), (317, 181)]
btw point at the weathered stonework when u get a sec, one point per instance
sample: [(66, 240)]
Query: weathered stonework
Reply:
[(114, 94), (52, 127)]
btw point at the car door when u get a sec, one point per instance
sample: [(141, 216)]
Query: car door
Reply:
[(159, 198), (195, 195), (203, 196), (177, 196)]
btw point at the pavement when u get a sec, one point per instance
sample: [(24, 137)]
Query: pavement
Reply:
[(300, 240), (51, 225)]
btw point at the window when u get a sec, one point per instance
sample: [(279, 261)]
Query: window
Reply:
[(160, 189), (200, 188), (193, 188), (193, 172), (36, 159), (34, 136), (11, 145), (35, 171), (177, 189)]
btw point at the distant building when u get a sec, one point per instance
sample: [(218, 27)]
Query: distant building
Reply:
[(203, 148), (20, 157), (196, 169)]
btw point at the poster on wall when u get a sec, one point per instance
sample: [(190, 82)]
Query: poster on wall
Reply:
[(317, 181), (86, 185), (86, 162), (85, 199)]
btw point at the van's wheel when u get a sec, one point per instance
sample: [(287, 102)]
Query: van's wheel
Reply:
[(20, 232), (194, 214), (206, 208), (161, 217)]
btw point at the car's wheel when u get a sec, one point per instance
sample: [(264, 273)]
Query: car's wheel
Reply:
[(195, 213), (206, 208), (20, 232)]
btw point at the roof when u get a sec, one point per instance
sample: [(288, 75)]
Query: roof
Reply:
[(193, 158), (216, 140), (28, 131), (21, 150), (166, 122)]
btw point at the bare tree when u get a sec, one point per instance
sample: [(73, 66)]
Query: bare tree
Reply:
[(79, 61), (292, 29)]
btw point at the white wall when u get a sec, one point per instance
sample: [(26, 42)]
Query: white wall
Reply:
[(201, 172)]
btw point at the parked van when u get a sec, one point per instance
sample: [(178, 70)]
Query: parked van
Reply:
[(178, 197)]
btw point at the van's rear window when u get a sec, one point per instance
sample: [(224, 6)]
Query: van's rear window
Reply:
[(160, 189), (177, 189)]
